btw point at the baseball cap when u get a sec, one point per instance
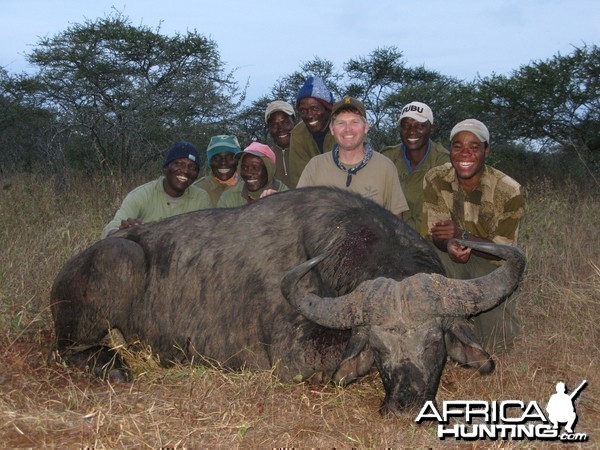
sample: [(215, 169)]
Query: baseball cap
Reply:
[(279, 105), (349, 103), (473, 126), (258, 149), (418, 111), (222, 143)]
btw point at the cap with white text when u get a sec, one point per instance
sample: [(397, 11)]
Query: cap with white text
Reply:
[(418, 111)]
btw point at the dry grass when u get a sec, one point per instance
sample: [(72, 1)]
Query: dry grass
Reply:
[(44, 404)]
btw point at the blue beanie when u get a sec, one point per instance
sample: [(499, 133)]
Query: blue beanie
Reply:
[(182, 150), (315, 87), (222, 143)]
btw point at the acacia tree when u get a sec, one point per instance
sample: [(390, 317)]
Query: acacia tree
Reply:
[(383, 82), (26, 128), (250, 122), (386, 85), (286, 88), (555, 102), (126, 93), (374, 79)]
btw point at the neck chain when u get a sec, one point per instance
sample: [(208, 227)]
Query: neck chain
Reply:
[(353, 170)]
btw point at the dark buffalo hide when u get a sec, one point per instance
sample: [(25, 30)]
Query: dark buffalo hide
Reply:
[(207, 284)]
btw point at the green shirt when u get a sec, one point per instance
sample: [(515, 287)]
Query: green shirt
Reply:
[(149, 202), (282, 170), (239, 195), (215, 189), (492, 211), (302, 148), (411, 180)]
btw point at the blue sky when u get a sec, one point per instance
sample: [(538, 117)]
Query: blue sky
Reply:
[(265, 39)]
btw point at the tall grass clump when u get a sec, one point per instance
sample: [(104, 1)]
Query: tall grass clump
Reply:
[(47, 219), (561, 291)]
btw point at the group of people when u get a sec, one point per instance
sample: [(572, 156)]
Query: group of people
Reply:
[(443, 194)]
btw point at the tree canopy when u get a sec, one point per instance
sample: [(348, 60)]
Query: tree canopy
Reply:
[(556, 101), (124, 93), (112, 96)]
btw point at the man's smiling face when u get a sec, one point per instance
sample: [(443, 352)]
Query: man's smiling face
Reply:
[(313, 114)]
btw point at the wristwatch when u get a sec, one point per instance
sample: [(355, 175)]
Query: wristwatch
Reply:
[(464, 235)]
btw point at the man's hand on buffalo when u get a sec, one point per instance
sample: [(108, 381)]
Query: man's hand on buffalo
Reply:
[(458, 253), (268, 192), (443, 234), (130, 222), (127, 223)]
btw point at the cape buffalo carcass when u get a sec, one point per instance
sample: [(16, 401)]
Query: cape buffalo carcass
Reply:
[(209, 284)]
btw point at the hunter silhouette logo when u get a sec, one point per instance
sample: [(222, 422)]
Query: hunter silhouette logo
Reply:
[(509, 419), (561, 407)]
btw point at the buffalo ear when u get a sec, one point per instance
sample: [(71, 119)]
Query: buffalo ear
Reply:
[(357, 359), (462, 347)]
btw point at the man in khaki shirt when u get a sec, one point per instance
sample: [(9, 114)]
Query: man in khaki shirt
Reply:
[(353, 164), (467, 199)]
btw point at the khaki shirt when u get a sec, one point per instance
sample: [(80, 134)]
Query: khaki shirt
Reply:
[(215, 189), (492, 211), (378, 180), (282, 167)]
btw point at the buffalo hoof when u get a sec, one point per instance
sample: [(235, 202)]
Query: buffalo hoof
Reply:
[(100, 361), (115, 376), (106, 364)]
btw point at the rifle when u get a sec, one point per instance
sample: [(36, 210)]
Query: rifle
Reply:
[(576, 391)]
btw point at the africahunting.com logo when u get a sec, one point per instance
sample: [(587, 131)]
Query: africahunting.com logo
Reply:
[(510, 419)]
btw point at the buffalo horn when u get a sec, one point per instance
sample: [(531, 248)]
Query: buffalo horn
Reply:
[(343, 312), (431, 294), (452, 297)]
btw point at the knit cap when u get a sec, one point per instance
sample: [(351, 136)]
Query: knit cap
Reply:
[(315, 87), (182, 150), (222, 143)]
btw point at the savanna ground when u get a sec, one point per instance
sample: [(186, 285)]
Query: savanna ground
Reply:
[(45, 220)]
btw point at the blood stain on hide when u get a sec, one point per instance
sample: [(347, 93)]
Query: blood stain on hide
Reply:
[(353, 251), (326, 343)]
